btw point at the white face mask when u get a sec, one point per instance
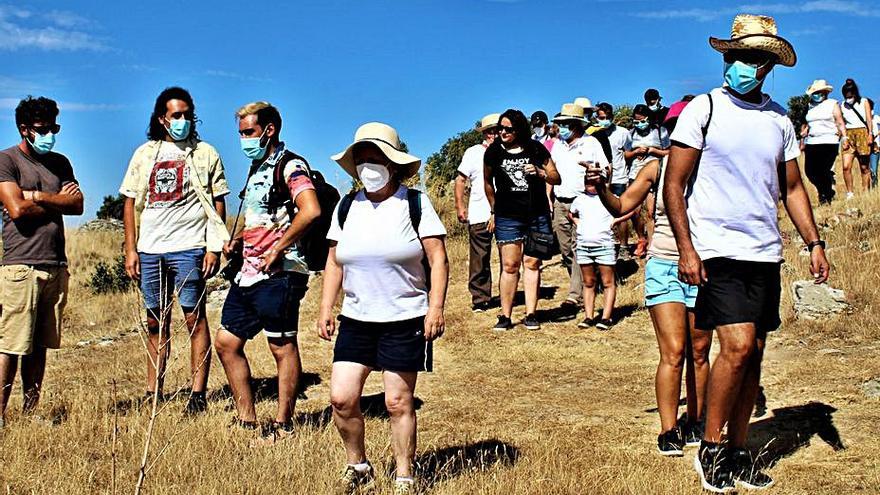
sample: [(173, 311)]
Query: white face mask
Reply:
[(850, 100), (539, 132), (373, 176)]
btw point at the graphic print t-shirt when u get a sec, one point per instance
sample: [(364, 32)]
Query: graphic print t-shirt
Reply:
[(264, 224), (173, 218), (518, 195)]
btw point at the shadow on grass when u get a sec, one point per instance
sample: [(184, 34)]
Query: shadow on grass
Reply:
[(372, 406), (545, 292), (435, 466), (791, 428)]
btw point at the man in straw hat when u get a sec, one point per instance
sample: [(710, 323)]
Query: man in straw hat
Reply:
[(476, 213), (572, 155), (728, 235)]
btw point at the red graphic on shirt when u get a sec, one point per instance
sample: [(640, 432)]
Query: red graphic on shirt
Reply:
[(166, 182)]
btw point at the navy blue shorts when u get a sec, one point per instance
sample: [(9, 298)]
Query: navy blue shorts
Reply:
[(270, 306), (394, 346), (509, 230)]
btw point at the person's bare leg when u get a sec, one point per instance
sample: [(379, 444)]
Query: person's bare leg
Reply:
[(200, 348), (286, 353), (33, 368), (847, 164), (865, 169), (738, 427), (158, 350), (670, 326), (531, 282), (726, 377), (589, 276), (609, 287), (400, 390), (346, 386), (230, 350), (700, 342), (511, 259), (8, 365)]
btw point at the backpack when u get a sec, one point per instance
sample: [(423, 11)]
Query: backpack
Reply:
[(313, 244), (414, 201)]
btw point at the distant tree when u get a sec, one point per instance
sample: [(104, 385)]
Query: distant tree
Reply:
[(797, 110), (111, 208), (623, 116), (441, 166)]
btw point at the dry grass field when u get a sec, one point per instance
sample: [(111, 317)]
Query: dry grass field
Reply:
[(560, 410)]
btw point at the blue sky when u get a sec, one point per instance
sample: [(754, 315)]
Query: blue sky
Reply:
[(429, 68)]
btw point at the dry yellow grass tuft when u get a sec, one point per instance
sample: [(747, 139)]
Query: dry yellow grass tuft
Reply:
[(560, 410)]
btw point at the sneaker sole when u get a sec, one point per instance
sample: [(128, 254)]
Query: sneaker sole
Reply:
[(706, 485), (692, 444), (749, 486), (604, 328), (670, 453), (533, 327), (584, 325)]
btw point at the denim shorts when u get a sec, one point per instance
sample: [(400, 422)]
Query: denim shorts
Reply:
[(663, 286), (178, 273), (595, 255), (270, 306), (509, 230), (618, 189)]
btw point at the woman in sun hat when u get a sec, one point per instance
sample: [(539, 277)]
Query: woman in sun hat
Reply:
[(823, 133), (857, 144), (388, 256)]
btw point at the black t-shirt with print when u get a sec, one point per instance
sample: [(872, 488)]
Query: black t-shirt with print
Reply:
[(518, 195)]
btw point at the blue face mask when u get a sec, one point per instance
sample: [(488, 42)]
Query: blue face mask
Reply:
[(817, 97), (179, 129), (641, 124), (603, 123), (252, 149), (740, 77), (564, 133), (43, 143)]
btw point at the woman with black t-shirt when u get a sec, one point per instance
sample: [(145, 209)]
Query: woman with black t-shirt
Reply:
[(517, 173)]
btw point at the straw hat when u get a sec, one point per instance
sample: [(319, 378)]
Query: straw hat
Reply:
[(819, 85), (756, 32), (489, 121), (584, 102), (570, 112), (386, 139)]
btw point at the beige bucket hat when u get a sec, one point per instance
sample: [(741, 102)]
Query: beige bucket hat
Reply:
[(584, 102), (489, 121), (387, 140), (569, 112), (756, 32), (819, 85)]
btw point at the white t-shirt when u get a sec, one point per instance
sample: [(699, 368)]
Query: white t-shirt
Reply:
[(619, 138), (657, 137), (173, 219), (383, 278), (851, 116), (820, 119), (594, 221), (733, 204), (472, 168), (567, 158)]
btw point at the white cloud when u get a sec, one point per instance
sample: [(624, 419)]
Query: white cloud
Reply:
[(58, 31), (843, 7), (235, 75)]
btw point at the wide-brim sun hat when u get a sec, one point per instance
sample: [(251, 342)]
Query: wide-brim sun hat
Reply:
[(489, 121), (819, 85), (584, 102), (756, 32), (570, 112), (384, 137)]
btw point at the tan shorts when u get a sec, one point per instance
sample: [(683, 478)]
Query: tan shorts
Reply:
[(32, 300)]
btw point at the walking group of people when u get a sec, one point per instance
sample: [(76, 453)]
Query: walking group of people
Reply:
[(700, 181)]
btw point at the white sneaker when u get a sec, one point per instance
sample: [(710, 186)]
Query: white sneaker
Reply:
[(849, 196)]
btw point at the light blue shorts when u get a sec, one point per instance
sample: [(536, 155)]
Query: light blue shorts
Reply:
[(663, 286), (595, 255)]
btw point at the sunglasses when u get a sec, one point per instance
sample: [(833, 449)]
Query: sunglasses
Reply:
[(46, 129), (507, 129)]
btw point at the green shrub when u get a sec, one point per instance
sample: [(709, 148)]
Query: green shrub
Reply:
[(110, 277)]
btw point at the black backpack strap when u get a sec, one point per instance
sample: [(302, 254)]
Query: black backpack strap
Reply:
[(705, 129), (414, 198), (345, 207)]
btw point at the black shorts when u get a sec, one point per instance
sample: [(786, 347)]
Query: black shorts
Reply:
[(271, 305), (394, 346), (739, 292)]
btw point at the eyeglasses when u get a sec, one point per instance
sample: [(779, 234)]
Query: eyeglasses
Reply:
[(46, 129), (507, 129)]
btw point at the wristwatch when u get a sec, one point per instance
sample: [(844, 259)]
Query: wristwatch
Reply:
[(813, 244)]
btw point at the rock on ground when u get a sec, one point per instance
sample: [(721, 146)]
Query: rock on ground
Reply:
[(871, 388), (817, 302), (102, 225)]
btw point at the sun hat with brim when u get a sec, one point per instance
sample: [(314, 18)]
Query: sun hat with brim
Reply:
[(584, 102), (756, 32), (819, 85), (384, 137), (675, 110), (489, 121), (570, 112)]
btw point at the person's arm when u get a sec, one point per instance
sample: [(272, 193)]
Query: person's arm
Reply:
[(460, 205), (550, 174), (490, 195), (658, 152), (682, 161), (631, 199), (841, 126), (868, 120), (211, 263), (308, 210), (132, 262), (435, 250), (332, 280), (797, 204), (68, 201), (18, 206)]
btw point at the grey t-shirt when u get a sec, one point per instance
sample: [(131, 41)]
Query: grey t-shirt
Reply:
[(34, 241)]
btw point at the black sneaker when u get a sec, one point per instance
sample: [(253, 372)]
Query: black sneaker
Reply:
[(692, 434), (503, 324), (196, 405), (480, 307), (531, 322), (605, 324), (746, 473), (712, 463), (670, 443), (588, 322)]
